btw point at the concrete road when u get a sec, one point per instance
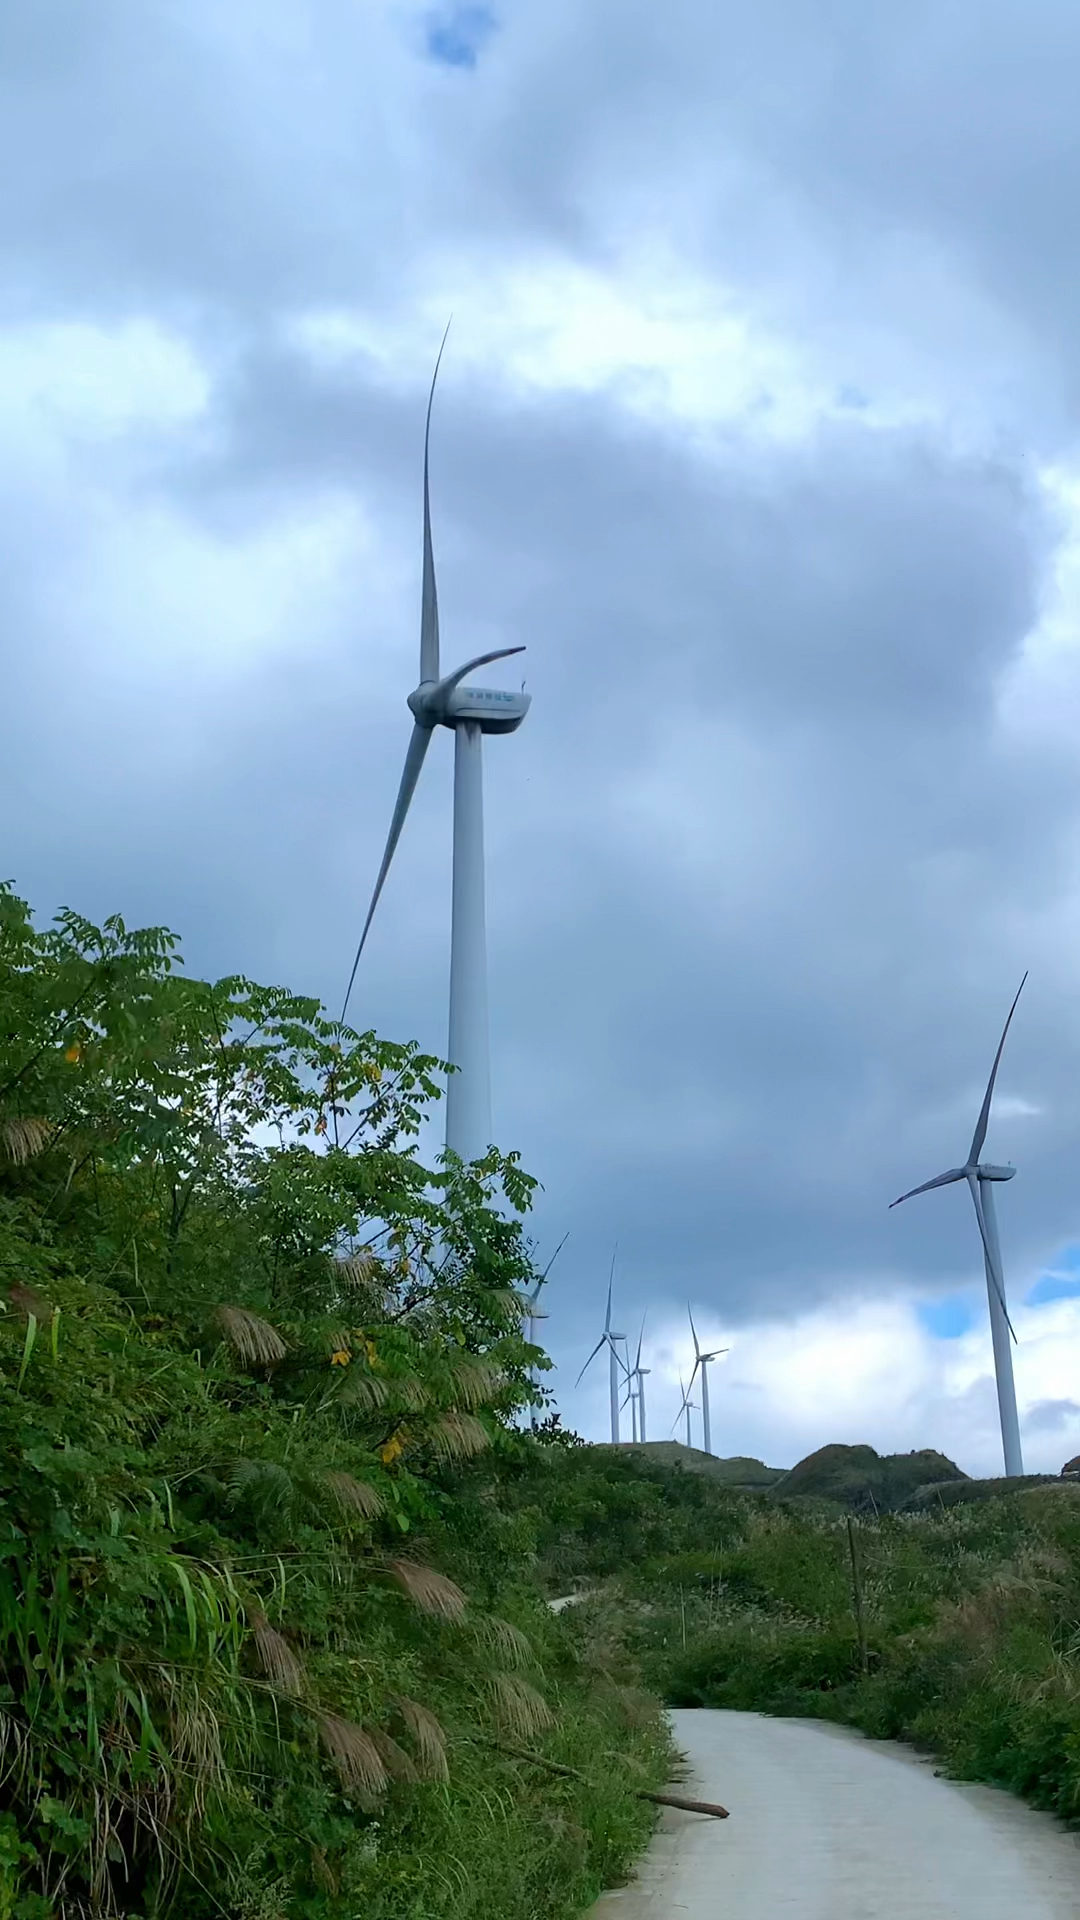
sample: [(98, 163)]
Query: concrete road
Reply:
[(828, 1826)]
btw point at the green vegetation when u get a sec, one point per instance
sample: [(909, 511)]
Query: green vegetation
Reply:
[(971, 1612), (269, 1611)]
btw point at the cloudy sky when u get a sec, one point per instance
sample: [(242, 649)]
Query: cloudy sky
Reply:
[(758, 425)]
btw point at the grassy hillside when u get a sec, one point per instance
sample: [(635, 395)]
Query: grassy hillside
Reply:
[(738, 1471), (268, 1625), (862, 1480)]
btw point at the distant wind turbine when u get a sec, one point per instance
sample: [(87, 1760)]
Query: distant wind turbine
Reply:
[(635, 1395), (701, 1364), (536, 1313), (687, 1407), (980, 1181), (609, 1339), (469, 712)]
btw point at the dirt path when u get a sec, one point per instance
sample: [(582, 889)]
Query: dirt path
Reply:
[(828, 1826)]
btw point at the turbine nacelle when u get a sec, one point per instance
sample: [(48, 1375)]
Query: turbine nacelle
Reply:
[(447, 702)]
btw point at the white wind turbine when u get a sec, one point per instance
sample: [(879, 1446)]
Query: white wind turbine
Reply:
[(701, 1365), (980, 1180), (635, 1395), (469, 712), (688, 1406), (609, 1339), (536, 1313)]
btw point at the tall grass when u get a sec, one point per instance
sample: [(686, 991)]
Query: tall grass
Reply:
[(971, 1620)]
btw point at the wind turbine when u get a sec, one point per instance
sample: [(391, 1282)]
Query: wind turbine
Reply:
[(536, 1313), (701, 1364), (609, 1339), (635, 1396), (687, 1407), (469, 712), (980, 1180)]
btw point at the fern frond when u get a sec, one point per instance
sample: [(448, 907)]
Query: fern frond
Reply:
[(354, 1495), (429, 1737), (409, 1392), (458, 1436), (518, 1707), (365, 1390), (261, 1484), (354, 1754), (430, 1591), (252, 1339)]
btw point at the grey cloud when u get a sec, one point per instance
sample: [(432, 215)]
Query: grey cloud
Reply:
[(1049, 1416), (728, 1036)]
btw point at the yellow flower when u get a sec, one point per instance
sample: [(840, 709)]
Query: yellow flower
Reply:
[(340, 1358), (372, 1353), (389, 1453)]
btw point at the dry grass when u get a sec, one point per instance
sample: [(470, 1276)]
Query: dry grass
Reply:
[(429, 1737), (253, 1340), (428, 1590), (458, 1436), (354, 1495), (519, 1709), (354, 1754), (276, 1658), (24, 1137)]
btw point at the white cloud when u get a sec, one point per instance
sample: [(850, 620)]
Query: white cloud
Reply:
[(861, 1371)]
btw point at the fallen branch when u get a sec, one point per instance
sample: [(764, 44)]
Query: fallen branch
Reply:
[(573, 1773), (686, 1806)]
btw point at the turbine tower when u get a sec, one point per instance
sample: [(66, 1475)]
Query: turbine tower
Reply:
[(980, 1180), (535, 1314), (609, 1339), (688, 1406), (635, 1395), (469, 712), (701, 1364)]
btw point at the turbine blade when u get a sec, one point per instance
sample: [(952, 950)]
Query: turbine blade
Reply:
[(939, 1180), (414, 760), (998, 1282), (588, 1363), (610, 1284), (429, 602), (693, 1330), (984, 1117), (611, 1341), (641, 1336), (554, 1257), (482, 660)]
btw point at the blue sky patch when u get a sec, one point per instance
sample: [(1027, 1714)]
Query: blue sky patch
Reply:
[(456, 34), (1062, 1282), (948, 1318)]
